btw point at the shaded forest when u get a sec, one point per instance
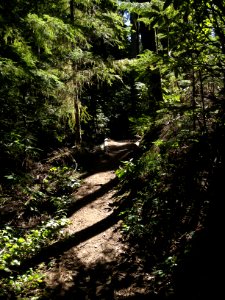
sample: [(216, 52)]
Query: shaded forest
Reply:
[(74, 72)]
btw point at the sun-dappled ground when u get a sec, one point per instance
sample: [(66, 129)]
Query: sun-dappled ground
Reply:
[(100, 265)]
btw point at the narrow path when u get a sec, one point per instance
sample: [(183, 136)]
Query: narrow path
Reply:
[(99, 266)]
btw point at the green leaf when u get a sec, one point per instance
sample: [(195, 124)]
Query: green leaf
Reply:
[(21, 240), (9, 176), (15, 262)]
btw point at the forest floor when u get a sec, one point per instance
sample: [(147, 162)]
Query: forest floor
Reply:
[(99, 264)]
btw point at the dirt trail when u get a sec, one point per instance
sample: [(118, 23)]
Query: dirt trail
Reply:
[(100, 266)]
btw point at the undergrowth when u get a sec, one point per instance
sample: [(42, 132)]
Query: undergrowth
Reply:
[(171, 187), (34, 214)]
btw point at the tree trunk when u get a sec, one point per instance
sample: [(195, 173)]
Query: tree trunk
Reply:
[(78, 138), (134, 35), (77, 126), (202, 101), (193, 103), (148, 40), (72, 11)]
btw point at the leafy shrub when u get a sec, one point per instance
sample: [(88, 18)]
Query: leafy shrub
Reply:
[(46, 197), (15, 248)]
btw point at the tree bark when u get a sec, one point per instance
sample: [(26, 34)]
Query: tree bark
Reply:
[(148, 40), (77, 127), (78, 138), (134, 35)]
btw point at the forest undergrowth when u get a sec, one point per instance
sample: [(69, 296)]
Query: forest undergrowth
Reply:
[(34, 206), (176, 203)]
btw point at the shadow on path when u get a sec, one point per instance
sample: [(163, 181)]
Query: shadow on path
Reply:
[(104, 281), (78, 204), (58, 248)]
